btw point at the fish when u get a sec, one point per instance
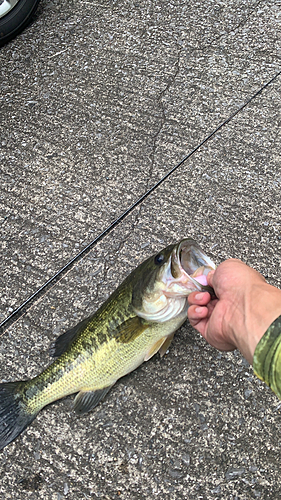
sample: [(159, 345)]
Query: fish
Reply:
[(137, 320)]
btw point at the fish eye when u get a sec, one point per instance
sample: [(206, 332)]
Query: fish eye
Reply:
[(159, 259)]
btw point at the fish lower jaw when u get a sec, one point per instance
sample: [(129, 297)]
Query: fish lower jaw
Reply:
[(181, 289)]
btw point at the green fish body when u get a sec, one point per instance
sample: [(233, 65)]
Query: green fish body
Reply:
[(136, 321)]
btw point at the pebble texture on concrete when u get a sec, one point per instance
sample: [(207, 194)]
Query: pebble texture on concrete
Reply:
[(97, 105)]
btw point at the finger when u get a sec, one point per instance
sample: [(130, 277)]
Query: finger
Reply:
[(197, 313), (210, 278), (200, 298), (198, 320)]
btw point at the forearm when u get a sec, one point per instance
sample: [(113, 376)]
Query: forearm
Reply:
[(267, 357)]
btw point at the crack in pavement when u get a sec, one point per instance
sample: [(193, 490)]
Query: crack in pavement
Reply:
[(36, 296), (62, 272), (172, 78), (171, 81)]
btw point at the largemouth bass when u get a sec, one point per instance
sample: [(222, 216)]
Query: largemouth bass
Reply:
[(136, 321)]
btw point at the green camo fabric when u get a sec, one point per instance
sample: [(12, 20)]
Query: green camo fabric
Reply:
[(267, 357)]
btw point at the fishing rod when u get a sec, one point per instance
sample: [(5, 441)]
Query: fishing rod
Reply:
[(25, 306)]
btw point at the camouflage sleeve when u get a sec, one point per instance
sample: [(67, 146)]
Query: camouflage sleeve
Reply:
[(267, 357)]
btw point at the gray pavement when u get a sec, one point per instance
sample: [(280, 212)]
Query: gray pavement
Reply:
[(97, 105)]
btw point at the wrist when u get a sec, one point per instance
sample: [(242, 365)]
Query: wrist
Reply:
[(262, 307)]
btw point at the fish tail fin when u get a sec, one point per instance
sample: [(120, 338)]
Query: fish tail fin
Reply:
[(14, 414)]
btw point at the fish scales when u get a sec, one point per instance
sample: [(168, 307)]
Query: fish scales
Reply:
[(89, 360), (137, 320)]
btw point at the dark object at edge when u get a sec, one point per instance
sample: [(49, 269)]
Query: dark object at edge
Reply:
[(16, 18)]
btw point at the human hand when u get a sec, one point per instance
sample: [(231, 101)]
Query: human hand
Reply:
[(244, 308)]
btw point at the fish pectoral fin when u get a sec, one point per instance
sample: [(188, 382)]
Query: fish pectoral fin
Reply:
[(63, 342), (161, 345), (165, 346), (130, 329), (87, 400), (155, 348)]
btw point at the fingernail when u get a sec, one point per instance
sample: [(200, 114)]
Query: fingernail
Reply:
[(198, 309), (199, 296)]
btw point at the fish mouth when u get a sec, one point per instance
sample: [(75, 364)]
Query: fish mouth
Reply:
[(190, 260), (184, 271)]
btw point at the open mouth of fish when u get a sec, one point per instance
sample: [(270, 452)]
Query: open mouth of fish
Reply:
[(189, 268), (193, 261), (184, 272)]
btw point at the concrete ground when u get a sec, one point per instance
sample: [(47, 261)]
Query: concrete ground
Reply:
[(97, 104)]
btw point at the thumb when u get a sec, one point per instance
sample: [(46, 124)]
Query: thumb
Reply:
[(210, 278)]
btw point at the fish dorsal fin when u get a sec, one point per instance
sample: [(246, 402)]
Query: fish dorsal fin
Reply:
[(87, 400), (161, 345), (130, 329), (63, 342)]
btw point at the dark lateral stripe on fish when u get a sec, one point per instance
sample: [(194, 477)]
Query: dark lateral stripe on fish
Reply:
[(136, 320)]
